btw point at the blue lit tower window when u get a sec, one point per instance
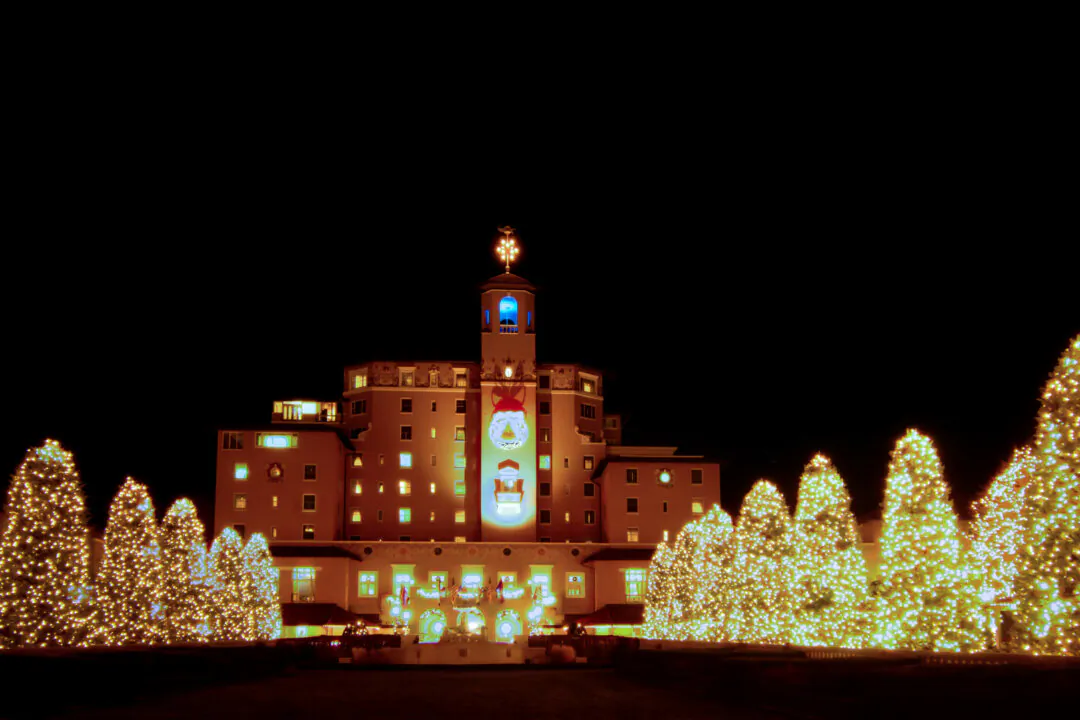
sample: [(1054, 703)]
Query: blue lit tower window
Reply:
[(508, 315)]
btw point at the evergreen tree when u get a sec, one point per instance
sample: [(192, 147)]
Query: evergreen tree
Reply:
[(260, 591), (45, 590), (756, 592), (710, 534), (129, 585), (1048, 580), (830, 571), (658, 598), (186, 580), (927, 596), (681, 584), (997, 528), (229, 620)]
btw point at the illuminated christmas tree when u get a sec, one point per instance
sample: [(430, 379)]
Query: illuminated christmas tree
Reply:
[(260, 591), (710, 534), (681, 581), (756, 592), (230, 617), (927, 596), (45, 590), (186, 576), (1048, 581), (129, 589), (658, 598), (830, 571), (998, 528)]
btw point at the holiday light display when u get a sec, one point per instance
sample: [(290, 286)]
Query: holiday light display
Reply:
[(927, 596), (129, 586), (709, 536), (229, 620), (186, 575), (1048, 579), (998, 528), (45, 592), (260, 591), (830, 582), (658, 595)]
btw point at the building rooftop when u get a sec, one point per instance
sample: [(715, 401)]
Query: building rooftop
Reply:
[(508, 281)]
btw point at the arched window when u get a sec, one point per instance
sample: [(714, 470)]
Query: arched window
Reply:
[(508, 315)]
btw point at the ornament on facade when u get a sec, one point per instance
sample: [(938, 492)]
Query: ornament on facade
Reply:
[(508, 430), (509, 489)]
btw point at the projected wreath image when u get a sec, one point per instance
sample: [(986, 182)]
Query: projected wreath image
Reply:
[(508, 429)]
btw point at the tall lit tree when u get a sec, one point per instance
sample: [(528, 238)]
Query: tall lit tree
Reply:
[(997, 528), (129, 585), (758, 570), (45, 591), (927, 596), (260, 591), (227, 586), (710, 534), (186, 576), (658, 596), (1048, 580), (830, 571), (681, 580)]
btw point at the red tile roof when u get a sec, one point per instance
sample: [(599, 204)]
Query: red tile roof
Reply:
[(316, 614)]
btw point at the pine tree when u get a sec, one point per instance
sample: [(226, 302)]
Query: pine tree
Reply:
[(260, 591), (1048, 581), (186, 580), (830, 571), (681, 584), (926, 595), (658, 598), (129, 585), (756, 592), (997, 527), (711, 533), (229, 620), (45, 590)]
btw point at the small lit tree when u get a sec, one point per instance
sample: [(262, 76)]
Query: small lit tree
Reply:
[(927, 595), (45, 590), (227, 589), (830, 571), (186, 577), (260, 591), (129, 589), (658, 594), (997, 528)]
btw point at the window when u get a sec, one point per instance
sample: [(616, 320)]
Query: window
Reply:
[(404, 538), (459, 460), (459, 432), (545, 434), (240, 471), (382, 459), (431, 517), (545, 462), (273, 500), (567, 517), (631, 535), (665, 536), (589, 461), (545, 382), (276, 440), (508, 315), (697, 507), (635, 584), (273, 532), (575, 584), (359, 407), (434, 405), (404, 487), (303, 584), (404, 515), (406, 405), (432, 461), (379, 516), (545, 517), (461, 378), (459, 488), (368, 584), (545, 489), (587, 386), (459, 538), (459, 407), (588, 411), (239, 528), (590, 489), (437, 579), (459, 516), (309, 503), (356, 516), (308, 532), (590, 517), (309, 472), (239, 502), (432, 488), (433, 433), (358, 460), (380, 487), (545, 407), (545, 539), (487, 317), (529, 315), (406, 378), (358, 488), (406, 432), (232, 441), (665, 506), (631, 476), (566, 463), (433, 380), (360, 380), (405, 460), (696, 476), (631, 505)]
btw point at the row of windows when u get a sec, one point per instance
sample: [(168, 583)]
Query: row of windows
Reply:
[(405, 487), (545, 517), (407, 378), (279, 441), (407, 433), (404, 516), (589, 489), (276, 471), (240, 501), (588, 462)]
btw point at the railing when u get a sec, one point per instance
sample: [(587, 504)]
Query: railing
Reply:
[(508, 329)]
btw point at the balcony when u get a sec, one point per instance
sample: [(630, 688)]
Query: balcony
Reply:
[(305, 411)]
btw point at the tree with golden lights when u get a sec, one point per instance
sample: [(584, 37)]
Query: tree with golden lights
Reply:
[(658, 595), (129, 586), (927, 595), (230, 616), (710, 535), (1048, 580), (186, 575), (682, 579), (260, 591), (997, 527), (758, 569), (830, 584), (45, 589)]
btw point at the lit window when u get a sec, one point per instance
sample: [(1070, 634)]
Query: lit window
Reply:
[(432, 488), (545, 408), (545, 434), (631, 476), (232, 441), (545, 489), (239, 530), (309, 503), (459, 407), (404, 487), (508, 314), (273, 532), (380, 487), (407, 378), (459, 432), (631, 535), (309, 472), (459, 516), (360, 380), (273, 501), (268, 440), (382, 459), (357, 516), (303, 584), (461, 378), (404, 515), (587, 386), (308, 532), (567, 516), (358, 460), (406, 432), (240, 471), (589, 462), (697, 507), (588, 411), (575, 585), (530, 318), (545, 462), (239, 502), (590, 517), (358, 488), (631, 505), (368, 584), (459, 538), (635, 584), (459, 488), (696, 476), (459, 460), (406, 405), (487, 317), (432, 517), (432, 433), (359, 407), (665, 536), (590, 489), (405, 460), (545, 517)]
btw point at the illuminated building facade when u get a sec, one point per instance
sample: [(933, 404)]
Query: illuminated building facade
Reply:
[(508, 463)]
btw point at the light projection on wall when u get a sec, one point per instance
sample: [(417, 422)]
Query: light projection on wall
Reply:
[(508, 463), (508, 428)]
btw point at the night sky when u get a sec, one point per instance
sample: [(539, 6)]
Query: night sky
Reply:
[(756, 322)]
